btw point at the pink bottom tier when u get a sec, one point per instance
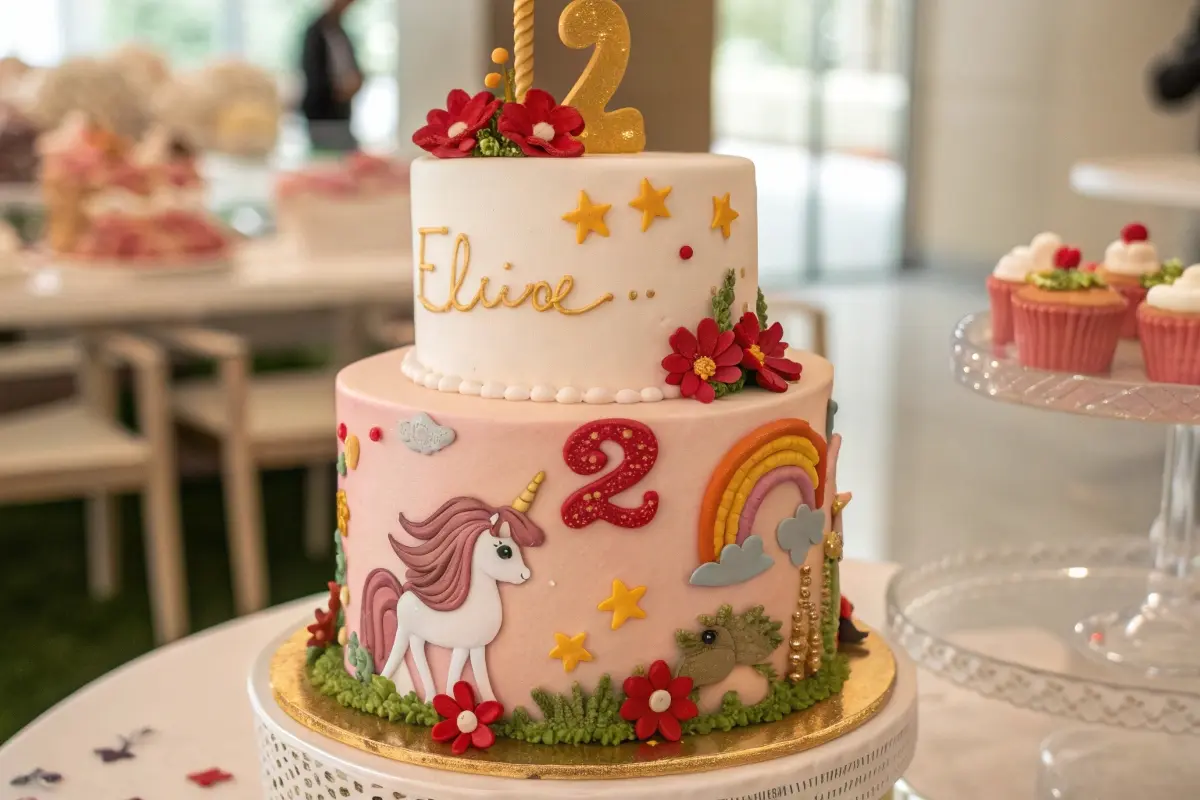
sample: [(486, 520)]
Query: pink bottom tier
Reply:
[(552, 585)]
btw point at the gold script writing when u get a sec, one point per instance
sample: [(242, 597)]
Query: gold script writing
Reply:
[(541, 295)]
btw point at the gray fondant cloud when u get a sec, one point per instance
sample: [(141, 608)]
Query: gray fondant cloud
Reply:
[(422, 435), (736, 565), (801, 531)]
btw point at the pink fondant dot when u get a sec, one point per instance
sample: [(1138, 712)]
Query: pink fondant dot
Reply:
[(686, 252), (342, 431), (376, 434)]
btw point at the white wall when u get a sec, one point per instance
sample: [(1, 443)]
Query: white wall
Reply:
[(1007, 95), (443, 45)]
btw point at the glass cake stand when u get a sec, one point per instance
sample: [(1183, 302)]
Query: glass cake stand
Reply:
[(1102, 632), (1160, 633)]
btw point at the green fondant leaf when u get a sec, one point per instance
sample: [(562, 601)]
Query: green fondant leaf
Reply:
[(761, 308)]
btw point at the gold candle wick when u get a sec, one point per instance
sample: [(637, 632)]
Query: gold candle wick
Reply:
[(523, 46)]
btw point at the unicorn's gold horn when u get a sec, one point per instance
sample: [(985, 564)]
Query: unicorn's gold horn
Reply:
[(525, 499)]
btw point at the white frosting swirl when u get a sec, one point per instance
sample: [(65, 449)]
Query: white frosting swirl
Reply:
[(1044, 247), (1134, 258), (1182, 296), (1016, 265)]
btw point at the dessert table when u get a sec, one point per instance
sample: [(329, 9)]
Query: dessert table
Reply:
[(265, 278), (192, 695), (1163, 180)]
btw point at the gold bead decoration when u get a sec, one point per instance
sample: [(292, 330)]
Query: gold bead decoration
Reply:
[(805, 593), (796, 644), (806, 570), (795, 677), (633, 295), (796, 659), (797, 616), (650, 293)]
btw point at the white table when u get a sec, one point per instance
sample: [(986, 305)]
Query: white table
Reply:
[(193, 693), (266, 278), (1165, 180)]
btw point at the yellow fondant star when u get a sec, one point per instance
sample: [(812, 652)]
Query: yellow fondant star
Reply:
[(623, 603), (652, 203), (587, 218), (570, 649), (723, 214)]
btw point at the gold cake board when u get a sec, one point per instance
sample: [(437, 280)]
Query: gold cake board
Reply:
[(864, 695)]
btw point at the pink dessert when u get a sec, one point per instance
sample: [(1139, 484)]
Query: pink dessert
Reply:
[(1169, 323), (357, 205), (1009, 277), (114, 204), (1068, 320), (1127, 262)]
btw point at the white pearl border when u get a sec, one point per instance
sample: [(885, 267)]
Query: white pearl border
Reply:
[(419, 374)]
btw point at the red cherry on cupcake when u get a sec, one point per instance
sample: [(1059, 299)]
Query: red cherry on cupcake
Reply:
[(1134, 232), (1067, 258)]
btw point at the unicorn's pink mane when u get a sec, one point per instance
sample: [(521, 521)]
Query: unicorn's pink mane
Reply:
[(439, 564)]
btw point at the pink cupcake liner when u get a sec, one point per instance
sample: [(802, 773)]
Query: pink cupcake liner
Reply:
[(1067, 338), (1002, 292), (1136, 295), (1170, 347)]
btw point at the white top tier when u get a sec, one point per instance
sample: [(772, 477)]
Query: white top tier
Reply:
[(515, 301)]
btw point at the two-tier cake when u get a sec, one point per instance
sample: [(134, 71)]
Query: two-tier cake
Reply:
[(596, 503)]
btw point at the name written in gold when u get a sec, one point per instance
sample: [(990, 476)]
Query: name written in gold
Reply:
[(540, 295)]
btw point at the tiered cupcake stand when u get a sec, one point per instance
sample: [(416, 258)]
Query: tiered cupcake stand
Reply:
[(1118, 620)]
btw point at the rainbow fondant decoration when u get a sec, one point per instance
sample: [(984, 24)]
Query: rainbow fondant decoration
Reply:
[(785, 451)]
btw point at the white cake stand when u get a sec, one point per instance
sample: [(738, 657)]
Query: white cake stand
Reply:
[(864, 764), (1037, 627)]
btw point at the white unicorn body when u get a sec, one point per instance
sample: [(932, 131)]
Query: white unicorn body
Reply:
[(452, 595), (466, 631)]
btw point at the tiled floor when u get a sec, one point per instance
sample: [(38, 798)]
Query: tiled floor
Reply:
[(935, 469)]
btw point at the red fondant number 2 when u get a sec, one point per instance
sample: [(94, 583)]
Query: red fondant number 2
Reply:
[(583, 455)]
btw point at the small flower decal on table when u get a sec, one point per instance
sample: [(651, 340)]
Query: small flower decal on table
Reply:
[(210, 777), (451, 133), (125, 751), (465, 724), (700, 359), (763, 353), (38, 777), (541, 127), (657, 703)]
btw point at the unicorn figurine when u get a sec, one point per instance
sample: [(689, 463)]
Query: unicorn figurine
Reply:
[(451, 594)]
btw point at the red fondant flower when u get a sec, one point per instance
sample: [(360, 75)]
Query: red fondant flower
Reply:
[(658, 702), (710, 355), (451, 133), (541, 127), (324, 630), (465, 723), (763, 353)]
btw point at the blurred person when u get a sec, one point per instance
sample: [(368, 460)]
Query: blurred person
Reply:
[(331, 79), (1175, 77)]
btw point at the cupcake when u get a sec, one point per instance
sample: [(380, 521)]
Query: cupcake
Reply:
[(1169, 327), (1009, 277), (1127, 262), (1068, 320)]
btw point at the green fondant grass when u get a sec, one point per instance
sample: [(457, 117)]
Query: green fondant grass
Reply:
[(375, 696), (580, 717)]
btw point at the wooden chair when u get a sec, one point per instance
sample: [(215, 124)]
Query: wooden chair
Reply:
[(269, 421), (78, 448)]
